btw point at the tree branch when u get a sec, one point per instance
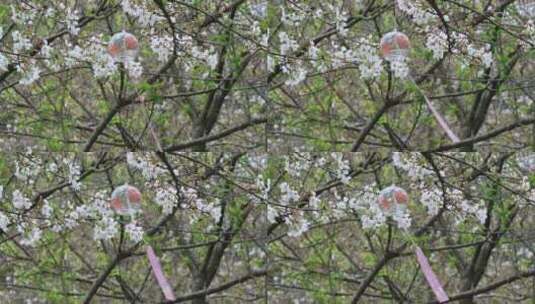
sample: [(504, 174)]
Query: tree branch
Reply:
[(209, 138)]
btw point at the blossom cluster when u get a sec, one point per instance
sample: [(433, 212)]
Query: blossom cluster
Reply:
[(414, 9), (370, 64), (143, 163), (166, 197), (437, 42)]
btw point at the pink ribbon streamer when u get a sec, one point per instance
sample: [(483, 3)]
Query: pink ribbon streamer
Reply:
[(441, 121), (158, 273), (438, 117), (430, 276)]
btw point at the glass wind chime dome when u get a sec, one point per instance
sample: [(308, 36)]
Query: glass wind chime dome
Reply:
[(526, 8), (125, 200), (391, 197), (123, 47), (395, 46)]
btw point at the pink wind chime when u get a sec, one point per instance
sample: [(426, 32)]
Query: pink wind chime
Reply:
[(126, 201), (395, 197), (123, 47), (395, 47)]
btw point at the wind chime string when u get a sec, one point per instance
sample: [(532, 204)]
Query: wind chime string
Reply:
[(394, 197), (126, 201), (395, 47)]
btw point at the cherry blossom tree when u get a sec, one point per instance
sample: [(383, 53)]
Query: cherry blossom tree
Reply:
[(278, 75), (267, 151), (309, 227)]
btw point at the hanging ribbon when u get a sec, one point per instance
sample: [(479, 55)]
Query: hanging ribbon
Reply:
[(431, 277), (158, 273), (438, 117)]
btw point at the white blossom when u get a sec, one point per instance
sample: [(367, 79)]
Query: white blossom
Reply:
[(4, 62), (313, 51), (4, 222), (31, 75), (271, 214), (215, 210), (482, 54), (73, 56), (270, 63), (437, 42), (167, 199), (142, 162), (72, 220), (432, 200), (314, 201), (84, 211), (401, 216), (298, 226), (365, 204), (20, 43), (341, 21), (143, 15), (134, 231), (487, 59), (296, 76), (399, 67), (525, 252), (409, 163), (259, 10), (46, 209), (105, 229), (373, 219), (212, 59), (52, 167), (481, 215), (104, 66), (134, 69), (72, 22), (288, 195), (102, 63), (342, 167), (291, 19), (264, 186), (419, 15), (20, 201), (209, 56), (162, 45), (32, 237), (368, 60), (57, 228), (24, 17), (287, 44)]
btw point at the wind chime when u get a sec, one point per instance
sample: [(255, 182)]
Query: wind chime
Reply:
[(126, 201), (123, 47), (395, 47), (391, 197), (396, 197)]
